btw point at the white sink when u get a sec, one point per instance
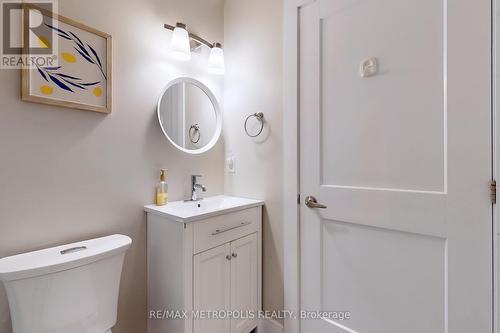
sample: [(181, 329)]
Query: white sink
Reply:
[(189, 211)]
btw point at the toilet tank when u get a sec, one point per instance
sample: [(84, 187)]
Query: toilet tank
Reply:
[(66, 289)]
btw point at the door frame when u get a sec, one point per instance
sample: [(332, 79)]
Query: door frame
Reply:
[(291, 188), (495, 138), (291, 230)]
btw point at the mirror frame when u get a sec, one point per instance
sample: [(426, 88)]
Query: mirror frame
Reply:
[(215, 104)]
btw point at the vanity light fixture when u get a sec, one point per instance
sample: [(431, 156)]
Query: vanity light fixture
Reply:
[(179, 45), (216, 59), (184, 42)]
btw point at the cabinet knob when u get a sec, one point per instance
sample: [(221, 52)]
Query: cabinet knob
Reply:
[(228, 257), (235, 255)]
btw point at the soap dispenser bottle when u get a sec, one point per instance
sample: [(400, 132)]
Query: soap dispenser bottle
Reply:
[(162, 189)]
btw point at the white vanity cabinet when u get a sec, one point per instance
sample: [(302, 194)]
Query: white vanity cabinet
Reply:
[(206, 263)]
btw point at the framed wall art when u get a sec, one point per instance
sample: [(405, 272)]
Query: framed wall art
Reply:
[(79, 76)]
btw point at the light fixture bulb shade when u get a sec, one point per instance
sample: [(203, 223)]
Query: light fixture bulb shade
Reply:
[(216, 61), (179, 45)]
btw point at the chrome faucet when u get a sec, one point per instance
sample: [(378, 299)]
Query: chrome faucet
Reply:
[(194, 187)]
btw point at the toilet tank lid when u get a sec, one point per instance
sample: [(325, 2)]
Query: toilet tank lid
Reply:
[(59, 258)]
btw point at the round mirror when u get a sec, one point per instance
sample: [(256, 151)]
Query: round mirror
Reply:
[(189, 115)]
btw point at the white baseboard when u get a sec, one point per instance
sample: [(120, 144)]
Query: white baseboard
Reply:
[(270, 326)]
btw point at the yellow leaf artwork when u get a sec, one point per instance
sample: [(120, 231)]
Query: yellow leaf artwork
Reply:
[(68, 57), (46, 90)]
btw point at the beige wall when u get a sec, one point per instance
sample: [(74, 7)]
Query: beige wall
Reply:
[(67, 175), (253, 83)]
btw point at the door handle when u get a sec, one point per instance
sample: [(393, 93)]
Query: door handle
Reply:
[(311, 202)]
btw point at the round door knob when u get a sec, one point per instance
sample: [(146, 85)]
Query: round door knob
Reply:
[(234, 255), (228, 257)]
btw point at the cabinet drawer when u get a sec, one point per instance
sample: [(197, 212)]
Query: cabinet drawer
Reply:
[(222, 229)]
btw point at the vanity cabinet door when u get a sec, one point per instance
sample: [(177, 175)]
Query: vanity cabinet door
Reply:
[(212, 287), (244, 283)]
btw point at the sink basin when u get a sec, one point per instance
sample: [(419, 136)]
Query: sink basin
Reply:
[(189, 211)]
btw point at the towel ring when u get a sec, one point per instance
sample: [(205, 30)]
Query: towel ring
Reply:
[(260, 117), (193, 130)]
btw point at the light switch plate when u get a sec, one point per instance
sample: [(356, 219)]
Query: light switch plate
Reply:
[(231, 164)]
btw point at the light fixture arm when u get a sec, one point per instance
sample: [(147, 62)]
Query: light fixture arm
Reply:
[(192, 36)]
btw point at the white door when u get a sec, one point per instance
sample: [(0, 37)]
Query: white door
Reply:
[(244, 283), (212, 287), (401, 159)]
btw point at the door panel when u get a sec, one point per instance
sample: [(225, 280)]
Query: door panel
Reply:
[(244, 282), (384, 277), (212, 287), (402, 160), (392, 122)]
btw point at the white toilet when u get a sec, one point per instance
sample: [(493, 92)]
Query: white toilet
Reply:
[(66, 289)]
